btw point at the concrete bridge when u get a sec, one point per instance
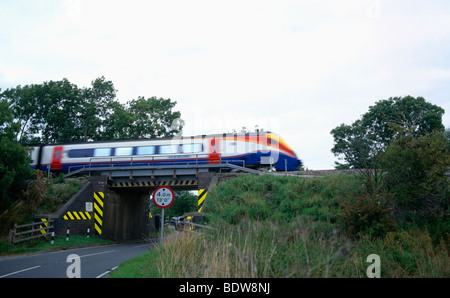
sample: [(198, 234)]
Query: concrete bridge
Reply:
[(115, 203)]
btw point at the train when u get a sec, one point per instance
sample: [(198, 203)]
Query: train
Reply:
[(254, 150)]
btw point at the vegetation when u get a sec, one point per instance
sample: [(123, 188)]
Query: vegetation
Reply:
[(185, 201), (359, 145), (61, 112), (272, 226), (415, 173), (14, 171), (40, 197)]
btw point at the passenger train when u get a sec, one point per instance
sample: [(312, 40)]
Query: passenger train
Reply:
[(255, 150)]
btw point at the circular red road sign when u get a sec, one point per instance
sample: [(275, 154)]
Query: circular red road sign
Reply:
[(163, 197)]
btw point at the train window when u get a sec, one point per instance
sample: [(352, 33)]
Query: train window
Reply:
[(192, 148), (168, 149), (124, 151), (77, 153), (148, 150), (102, 152)]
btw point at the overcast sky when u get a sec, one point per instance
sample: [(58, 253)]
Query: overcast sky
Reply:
[(297, 68)]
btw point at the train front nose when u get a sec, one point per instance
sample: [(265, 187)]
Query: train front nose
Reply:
[(299, 164)]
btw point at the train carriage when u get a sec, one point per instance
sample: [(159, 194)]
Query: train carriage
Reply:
[(256, 150)]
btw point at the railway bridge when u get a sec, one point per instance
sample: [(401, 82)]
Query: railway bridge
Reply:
[(115, 203)]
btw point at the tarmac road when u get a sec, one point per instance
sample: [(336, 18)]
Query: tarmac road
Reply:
[(94, 262)]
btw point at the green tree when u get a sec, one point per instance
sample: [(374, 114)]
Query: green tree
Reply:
[(24, 104), (47, 112), (142, 118), (8, 128), (153, 117), (398, 115), (355, 145), (59, 111), (360, 150), (14, 171), (95, 108), (360, 144), (117, 123), (14, 160)]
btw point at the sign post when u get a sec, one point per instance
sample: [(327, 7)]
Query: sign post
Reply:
[(163, 197)]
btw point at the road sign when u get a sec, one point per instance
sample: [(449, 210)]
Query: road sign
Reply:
[(163, 197), (89, 207)]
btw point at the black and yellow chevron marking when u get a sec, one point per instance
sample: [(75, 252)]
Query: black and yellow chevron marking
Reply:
[(201, 198), (98, 211), (154, 183), (43, 226), (77, 215)]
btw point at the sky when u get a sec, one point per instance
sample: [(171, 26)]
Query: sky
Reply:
[(296, 68)]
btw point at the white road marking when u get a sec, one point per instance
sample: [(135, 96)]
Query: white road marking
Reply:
[(23, 270), (104, 273), (97, 253), (146, 244)]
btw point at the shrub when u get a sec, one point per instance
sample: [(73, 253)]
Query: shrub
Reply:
[(14, 172), (416, 172), (364, 214)]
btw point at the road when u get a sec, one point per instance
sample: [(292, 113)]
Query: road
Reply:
[(94, 262)]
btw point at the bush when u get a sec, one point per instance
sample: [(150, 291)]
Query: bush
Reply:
[(365, 214), (416, 172), (40, 197)]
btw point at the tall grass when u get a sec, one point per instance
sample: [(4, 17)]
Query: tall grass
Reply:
[(253, 249), (303, 248)]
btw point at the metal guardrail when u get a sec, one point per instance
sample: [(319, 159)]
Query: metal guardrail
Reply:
[(160, 161), (151, 159)]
